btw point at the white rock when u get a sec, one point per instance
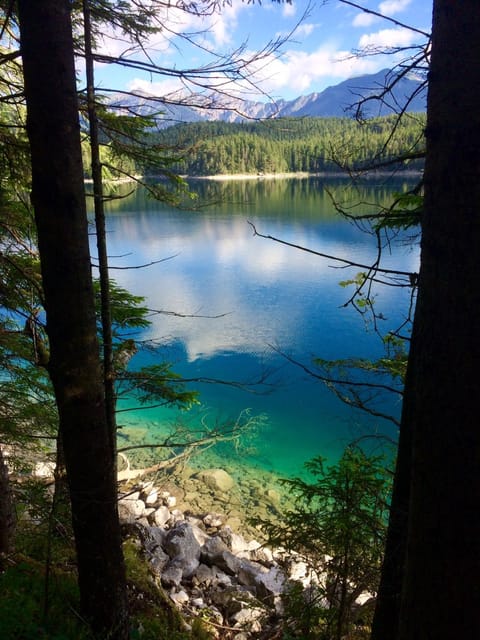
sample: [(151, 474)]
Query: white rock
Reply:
[(200, 535), (179, 598), (252, 545), (161, 516), (177, 515), (134, 506), (170, 501), (299, 571), (152, 497), (213, 520), (247, 616), (263, 555), (135, 495), (198, 603), (271, 583), (124, 514), (238, 544)]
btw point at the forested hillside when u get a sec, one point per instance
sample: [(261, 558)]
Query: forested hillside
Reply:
[(292, 145)]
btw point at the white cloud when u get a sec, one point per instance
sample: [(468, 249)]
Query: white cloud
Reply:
[(162, 88), (298, 71), (221, 27), (304, 29), (387, 8), (289, 10), (390, 7), (364, 20), (387, 38)]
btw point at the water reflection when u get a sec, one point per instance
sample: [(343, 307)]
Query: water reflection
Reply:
[(266, 294)]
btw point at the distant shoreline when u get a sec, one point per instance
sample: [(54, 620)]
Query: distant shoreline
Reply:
[(261, 176), (222, 177), (298, 175)]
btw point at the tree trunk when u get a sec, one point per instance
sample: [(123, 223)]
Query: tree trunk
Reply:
[(387, 609), (100, 228), (441, 595), (59, 201), (7, 512)]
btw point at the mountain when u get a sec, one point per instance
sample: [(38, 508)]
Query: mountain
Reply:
[(340, 100)]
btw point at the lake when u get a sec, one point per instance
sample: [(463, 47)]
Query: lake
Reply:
[(240, 308)]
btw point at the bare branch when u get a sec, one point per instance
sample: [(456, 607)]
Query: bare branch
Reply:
[(348, 263)]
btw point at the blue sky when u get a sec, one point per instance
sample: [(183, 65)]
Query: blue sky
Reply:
[(318, 53)]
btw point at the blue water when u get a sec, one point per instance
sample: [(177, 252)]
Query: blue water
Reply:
[(270, 300)]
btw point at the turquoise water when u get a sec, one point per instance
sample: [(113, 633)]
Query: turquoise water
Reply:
[(261, 301)]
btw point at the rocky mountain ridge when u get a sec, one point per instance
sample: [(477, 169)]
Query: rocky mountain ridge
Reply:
[(408, 92)]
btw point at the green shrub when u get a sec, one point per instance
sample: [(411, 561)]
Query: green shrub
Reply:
[(338, 527)]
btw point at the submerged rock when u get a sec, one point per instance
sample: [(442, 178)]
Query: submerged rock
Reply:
[(216, 479)]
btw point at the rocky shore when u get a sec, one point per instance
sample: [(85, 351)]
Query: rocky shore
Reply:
[(195, 532)]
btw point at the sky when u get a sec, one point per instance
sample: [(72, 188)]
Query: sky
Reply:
[(321, 40)]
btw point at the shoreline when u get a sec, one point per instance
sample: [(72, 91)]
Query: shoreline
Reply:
[(252, 492), (294, 175), (298, 175)]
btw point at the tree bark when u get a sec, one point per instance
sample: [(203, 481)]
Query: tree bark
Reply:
[(441, 592), (100, 227), (387, 609), (8, 518), (59, 201)]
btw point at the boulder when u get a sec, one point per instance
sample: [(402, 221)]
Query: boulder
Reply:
[(216, 479), (198, 603), (183, 548), (263, 555), (216, 553), (203, 575), (235, 542), (221, 579), (153, 538), (270, 585), (249, 572), (200, 535), (232, 599), (130, 507), (125, 515)]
